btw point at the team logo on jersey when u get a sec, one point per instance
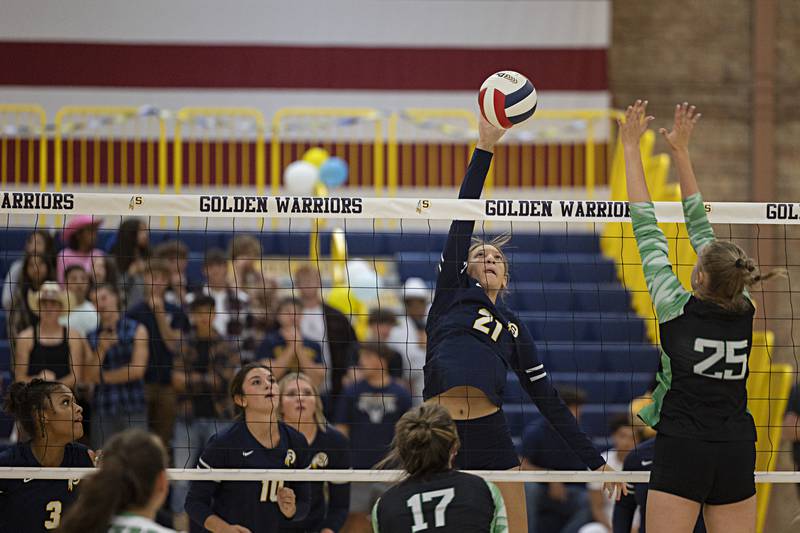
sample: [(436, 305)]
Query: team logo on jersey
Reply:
[(513, 329), (320, 460), (72, 483), (291, 458)]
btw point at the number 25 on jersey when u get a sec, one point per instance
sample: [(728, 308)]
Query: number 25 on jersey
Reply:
[(732, 352)]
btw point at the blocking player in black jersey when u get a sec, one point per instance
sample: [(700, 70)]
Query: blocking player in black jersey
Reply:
[(47, 411), (433, 495), (256, 440), (705, 447), (301, 408), (474, 340), (128, 489)]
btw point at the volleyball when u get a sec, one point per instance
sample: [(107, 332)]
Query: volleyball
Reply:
[(507, 98)]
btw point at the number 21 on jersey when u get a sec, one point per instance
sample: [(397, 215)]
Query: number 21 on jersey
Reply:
[(733, 352), (484, 320)]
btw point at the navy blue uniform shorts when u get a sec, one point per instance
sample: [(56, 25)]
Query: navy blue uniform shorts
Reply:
[(486, 444)]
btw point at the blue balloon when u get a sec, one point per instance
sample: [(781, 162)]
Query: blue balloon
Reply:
[(333, 172)]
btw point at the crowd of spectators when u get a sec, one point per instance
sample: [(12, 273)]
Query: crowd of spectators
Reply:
[(122, 325)]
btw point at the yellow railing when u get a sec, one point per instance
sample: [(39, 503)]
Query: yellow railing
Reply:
[(224, 136), (294, 129), (21, 126), (101, 130)]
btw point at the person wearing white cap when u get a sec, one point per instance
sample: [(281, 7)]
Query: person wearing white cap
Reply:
[(408, 336), (80, 245), (48, 349)]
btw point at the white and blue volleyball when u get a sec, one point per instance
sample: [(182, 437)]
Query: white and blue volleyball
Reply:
[(507, 98)]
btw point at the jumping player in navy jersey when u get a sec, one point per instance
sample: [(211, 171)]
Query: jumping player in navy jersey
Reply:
[(45, 410), (705, 448), (256, 440), (474, 340), (301, 408)]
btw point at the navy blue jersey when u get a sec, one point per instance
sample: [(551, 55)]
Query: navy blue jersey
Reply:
[(252, 504), (330, 449), (474, 342), (370, 414), (639, 460), (32, 505)]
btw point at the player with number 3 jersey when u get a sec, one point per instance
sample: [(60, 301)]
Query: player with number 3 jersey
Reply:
[(705, 448)]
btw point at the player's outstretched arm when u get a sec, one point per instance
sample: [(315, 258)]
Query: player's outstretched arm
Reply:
[(631, 130), (678, 139)]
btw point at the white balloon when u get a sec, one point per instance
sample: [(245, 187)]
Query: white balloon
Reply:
[(363, 279), (299, 178)]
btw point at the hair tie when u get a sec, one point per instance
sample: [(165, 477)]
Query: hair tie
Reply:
[(740, 263)]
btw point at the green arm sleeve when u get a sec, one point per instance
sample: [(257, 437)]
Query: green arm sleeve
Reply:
[(665, 289), (694, 213), (500, 520), (375, 517)]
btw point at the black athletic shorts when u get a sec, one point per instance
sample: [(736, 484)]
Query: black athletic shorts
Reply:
[(716, 473), (486, 444)]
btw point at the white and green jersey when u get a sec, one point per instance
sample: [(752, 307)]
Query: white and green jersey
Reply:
[(448, 502), (702, 378), (131, 523)]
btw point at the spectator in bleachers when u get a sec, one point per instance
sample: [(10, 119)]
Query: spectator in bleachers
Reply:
[(260, 320), (623, 440), (82, 315), (409, 334), (367, 412), (176, 255), (381, 322), (554, 507), (36, 271), (117, 365), (131, 250), (80, 245), (231, 303), (48, 350), (38, 242), (245, 272), (201, 376), (285, 350), (327, 326), (301, 408), (166, 325)]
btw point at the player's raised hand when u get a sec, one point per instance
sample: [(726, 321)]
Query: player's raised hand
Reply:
[(488, 135), (635, 124), (286, 502), (685, 119)]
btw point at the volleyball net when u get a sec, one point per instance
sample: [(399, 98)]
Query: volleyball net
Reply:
[(575, 280)]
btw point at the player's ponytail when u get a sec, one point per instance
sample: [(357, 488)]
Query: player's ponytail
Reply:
[(728, 271), (126, 479), (26, 402), (425, 441)]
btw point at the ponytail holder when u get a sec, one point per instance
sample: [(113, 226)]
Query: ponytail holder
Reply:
[(740, 263)]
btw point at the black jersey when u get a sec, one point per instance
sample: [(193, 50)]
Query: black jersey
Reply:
[(448, 502), (706, 383), (475, 342), (702, 380), (252, 504), (330, 449), (31, 505)]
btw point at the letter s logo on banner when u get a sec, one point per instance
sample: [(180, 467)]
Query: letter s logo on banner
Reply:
[(422, 205), (136, 201)]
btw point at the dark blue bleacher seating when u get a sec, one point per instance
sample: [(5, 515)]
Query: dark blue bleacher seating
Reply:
[(5, 356)]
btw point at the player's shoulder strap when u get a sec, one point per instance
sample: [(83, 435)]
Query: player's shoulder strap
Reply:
[(375, 526)]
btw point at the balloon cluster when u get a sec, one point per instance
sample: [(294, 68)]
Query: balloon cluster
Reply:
[(317, 165)]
